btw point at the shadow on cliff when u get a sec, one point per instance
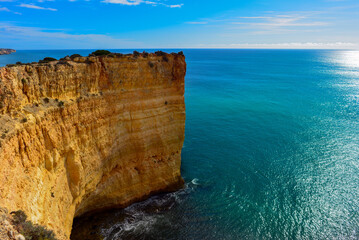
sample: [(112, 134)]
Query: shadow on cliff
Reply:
[(139, 221)]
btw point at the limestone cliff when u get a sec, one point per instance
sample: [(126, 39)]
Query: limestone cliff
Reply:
[(5, 51), (89, 133)]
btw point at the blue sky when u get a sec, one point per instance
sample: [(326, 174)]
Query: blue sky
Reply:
[(89, 24)]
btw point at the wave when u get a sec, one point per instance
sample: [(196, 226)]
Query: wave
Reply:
[(140, 219)]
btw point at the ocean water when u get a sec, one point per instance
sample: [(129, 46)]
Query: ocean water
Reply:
[(271, 150)]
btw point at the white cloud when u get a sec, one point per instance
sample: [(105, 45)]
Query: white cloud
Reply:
[(124, 2), (292, 45), (32, 6), (269, 23), (39, 38), (280, 21), (138, 2), (175, 6), (258, 17), (4, 9)]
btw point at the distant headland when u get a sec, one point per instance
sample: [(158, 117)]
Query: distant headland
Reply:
[(5, 51)]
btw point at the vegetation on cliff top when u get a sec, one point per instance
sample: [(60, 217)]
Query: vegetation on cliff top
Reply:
[(100, 53), (47, 59)]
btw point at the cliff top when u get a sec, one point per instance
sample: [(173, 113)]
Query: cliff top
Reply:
[(97, 55), (83, 134), (34, 88)]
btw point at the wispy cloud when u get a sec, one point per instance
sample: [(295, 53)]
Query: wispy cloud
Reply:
[(33, 6), (174, 6), (125, 2), (324, 28), (4, 9), (290, 45), (268, 23), (138, 2), (16, 35), (280, 21)]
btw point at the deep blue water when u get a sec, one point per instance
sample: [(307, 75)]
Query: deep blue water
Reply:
[(271, 149)]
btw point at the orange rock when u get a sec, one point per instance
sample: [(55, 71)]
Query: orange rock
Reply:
[(109, 134)]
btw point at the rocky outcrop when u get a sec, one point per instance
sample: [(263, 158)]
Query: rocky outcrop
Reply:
[(90, 133), (5, 51)]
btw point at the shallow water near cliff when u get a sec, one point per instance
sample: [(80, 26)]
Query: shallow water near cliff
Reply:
[(271, 150)]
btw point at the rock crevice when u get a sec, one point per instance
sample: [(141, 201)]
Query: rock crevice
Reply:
[(89, 133)]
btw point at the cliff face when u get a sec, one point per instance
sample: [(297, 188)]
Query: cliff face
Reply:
[(88, 134), (4, 51)]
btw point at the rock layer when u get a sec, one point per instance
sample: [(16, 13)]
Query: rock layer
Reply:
[(90, 133)]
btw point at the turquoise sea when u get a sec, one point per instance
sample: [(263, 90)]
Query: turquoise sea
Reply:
[(271, 150)]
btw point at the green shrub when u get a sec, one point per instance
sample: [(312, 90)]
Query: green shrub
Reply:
[(46, 100), (23, 81), (145, 54), (180, 53), (73, 56), (47, 60), (136, 54), (151, 64), (24, 120), (100, 53), (160, 53), (61, 104), (29, 230), (18, 217)]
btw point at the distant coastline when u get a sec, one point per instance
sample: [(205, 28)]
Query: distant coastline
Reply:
[(6, 51)]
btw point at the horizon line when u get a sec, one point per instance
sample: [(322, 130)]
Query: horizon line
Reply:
[(184, 48)]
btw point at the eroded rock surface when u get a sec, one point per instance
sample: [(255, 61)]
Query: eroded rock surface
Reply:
[(88, 134)]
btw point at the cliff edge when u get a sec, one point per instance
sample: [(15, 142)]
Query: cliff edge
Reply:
[(88, 133), (5, 51)]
